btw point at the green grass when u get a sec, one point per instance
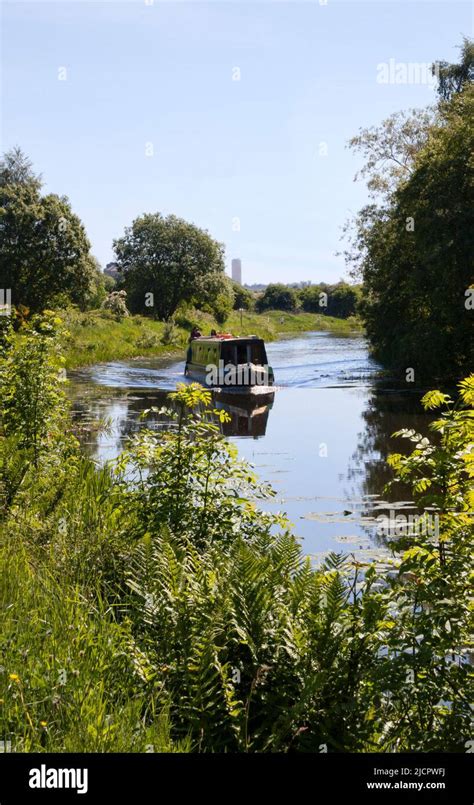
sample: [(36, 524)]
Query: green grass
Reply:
[(273, 323), (96, 336), (70, 683)]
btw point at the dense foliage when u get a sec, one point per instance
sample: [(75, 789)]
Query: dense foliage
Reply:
[(340, 300), (278, 296), (243, 298), (166, 261), (149, 604), (413, 244), (44, 251)]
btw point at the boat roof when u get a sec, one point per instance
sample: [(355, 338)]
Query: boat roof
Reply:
[(228, 337)]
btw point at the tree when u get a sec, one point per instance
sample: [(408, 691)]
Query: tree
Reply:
[(101, 285), (16, 168), (415, 254), (216, 296), (278, 297), (340, 300), (312, 298), (243, 298), (390, 149), (453, 77), (167, 261), (343, 300), (44, 250)]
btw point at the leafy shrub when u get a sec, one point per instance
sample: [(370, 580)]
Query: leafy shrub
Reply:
[(33, 403), (193, 462), (148, 341), (116, 303), (169, 333)]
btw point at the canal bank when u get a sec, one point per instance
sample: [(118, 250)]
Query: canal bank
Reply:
[(97, 336)]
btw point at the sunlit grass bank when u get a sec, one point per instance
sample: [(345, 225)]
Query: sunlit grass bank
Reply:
[(96, 336)]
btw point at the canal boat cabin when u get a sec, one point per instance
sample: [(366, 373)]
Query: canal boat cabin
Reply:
[(230, 362)]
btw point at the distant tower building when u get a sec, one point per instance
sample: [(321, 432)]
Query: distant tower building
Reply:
[(237, 271), (112, 270)]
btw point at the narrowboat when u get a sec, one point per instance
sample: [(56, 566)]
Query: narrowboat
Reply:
[(229, 363)]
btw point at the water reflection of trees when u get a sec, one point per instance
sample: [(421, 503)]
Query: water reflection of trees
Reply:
[(386, 412)]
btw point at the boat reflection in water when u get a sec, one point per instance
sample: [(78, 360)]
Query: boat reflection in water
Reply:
[(249, 413), (123, 412)]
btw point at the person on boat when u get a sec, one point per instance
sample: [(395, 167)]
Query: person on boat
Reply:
[(195, 333), (213, 333)]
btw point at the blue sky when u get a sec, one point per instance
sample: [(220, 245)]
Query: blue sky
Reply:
[(158, 79)]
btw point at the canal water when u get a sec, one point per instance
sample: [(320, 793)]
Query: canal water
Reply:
[(322, 443)]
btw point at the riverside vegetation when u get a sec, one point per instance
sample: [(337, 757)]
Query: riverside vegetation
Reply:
[(150, 605), (98, 335), (411, 246)]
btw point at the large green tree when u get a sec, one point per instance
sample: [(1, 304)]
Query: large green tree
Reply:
[(278, 297), (166, 261), (44, 251), (415, 253)]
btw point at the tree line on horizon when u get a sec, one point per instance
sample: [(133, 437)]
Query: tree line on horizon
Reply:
[(162, 263), (46, 259)]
